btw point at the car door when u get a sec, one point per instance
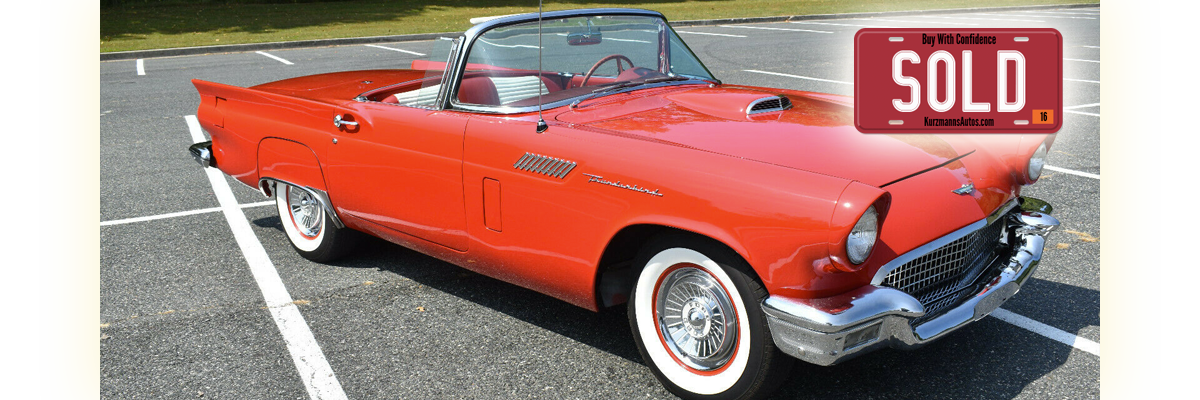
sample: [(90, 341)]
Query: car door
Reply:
[(401, 168)]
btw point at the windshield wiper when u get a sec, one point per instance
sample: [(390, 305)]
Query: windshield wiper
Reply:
[(628, 84)]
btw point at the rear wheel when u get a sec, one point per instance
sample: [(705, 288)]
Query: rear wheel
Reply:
[(310, 230), (696, 317)]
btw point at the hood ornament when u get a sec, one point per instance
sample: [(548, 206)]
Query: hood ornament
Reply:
[(965, 189)]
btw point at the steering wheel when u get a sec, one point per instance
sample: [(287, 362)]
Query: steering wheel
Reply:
[(595, 67)]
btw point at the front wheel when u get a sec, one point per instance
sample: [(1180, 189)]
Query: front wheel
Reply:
[(310, 230), (696, 316)]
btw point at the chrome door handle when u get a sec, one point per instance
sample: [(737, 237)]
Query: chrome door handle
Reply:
[(338, 121)]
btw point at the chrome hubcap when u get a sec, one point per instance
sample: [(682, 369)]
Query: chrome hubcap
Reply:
[(306, 211), (696, 318)]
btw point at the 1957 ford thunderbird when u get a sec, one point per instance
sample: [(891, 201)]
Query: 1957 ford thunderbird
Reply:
[(743, 227)]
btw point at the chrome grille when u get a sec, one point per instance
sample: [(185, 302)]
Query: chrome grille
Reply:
[(940, 278), (769, 104)]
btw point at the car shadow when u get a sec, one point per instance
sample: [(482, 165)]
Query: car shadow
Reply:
[(990, 358)]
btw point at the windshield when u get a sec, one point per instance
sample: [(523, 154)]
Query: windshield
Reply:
[(580, 55)]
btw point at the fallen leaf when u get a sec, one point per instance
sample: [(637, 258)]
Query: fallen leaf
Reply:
[(104, 325), (1061, 246), (368, 283), (103, 336), (300, 302), (420, 309), (1084, 236)]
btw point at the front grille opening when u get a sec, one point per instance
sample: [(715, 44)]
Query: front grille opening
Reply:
[(941, 278)]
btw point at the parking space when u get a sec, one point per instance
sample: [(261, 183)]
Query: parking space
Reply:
[(184, 316)]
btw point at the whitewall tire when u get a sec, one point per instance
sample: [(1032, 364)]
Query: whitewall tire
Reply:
[(310, 230), (696, 317)]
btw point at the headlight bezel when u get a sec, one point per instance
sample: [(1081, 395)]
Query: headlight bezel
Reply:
[(861, 240)]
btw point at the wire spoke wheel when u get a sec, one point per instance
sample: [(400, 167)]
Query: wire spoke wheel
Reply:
[(696, 318), (306, 212)]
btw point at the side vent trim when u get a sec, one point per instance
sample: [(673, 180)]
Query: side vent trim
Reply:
[(549, 166)]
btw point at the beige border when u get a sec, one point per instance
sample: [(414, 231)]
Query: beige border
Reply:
[(67, 200), (1132, 149)]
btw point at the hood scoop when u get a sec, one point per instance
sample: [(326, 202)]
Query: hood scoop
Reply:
[(768, 104)]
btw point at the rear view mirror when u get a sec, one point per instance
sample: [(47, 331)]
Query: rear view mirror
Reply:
[(586, 38)]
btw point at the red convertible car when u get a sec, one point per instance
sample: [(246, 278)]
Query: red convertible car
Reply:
[(744, 227)]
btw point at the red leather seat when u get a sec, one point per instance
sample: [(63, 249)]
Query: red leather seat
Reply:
[(478, 90)]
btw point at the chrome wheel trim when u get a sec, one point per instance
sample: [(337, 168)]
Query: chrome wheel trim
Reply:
[(696, 318), (689, 379), (298, 238), (306, 212)]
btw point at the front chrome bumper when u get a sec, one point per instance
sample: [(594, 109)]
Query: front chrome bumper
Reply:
[(829, 330)]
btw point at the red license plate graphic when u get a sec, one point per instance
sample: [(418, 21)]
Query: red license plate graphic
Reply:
[(958, 80)]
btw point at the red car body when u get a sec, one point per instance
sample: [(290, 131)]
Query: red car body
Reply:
[(564, 211), (552, 232)]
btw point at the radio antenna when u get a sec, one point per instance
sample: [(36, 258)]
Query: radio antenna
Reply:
[(541, 124)]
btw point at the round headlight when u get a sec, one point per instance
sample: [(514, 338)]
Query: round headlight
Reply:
[(1036, 162), (862, 237)]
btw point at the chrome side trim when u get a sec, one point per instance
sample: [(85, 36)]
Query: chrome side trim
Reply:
[(267, 187), (549, 166)]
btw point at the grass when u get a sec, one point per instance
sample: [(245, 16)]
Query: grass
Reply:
[(155, 26)]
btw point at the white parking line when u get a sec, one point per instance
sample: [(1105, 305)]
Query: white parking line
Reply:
[(1072, 172), (1058, 12), (141, 67), (1081, 106), (711, 34), (179, 214), (1047, 331), (797, 76), (306, 354), (980, 19), (626, 40), (1081, 113), (1080, 80), (914, 22), (394, 49), (834, 24), (1076, 59), (511, 46), (772, 29), (1039, 16), (275, 57)]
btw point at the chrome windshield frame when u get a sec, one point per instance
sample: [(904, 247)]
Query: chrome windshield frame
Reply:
[(458, 69)]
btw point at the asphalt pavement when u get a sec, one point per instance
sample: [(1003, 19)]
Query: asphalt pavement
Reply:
[(183, 317)]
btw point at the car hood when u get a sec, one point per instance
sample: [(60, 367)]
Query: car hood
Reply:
[(817, 135)]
